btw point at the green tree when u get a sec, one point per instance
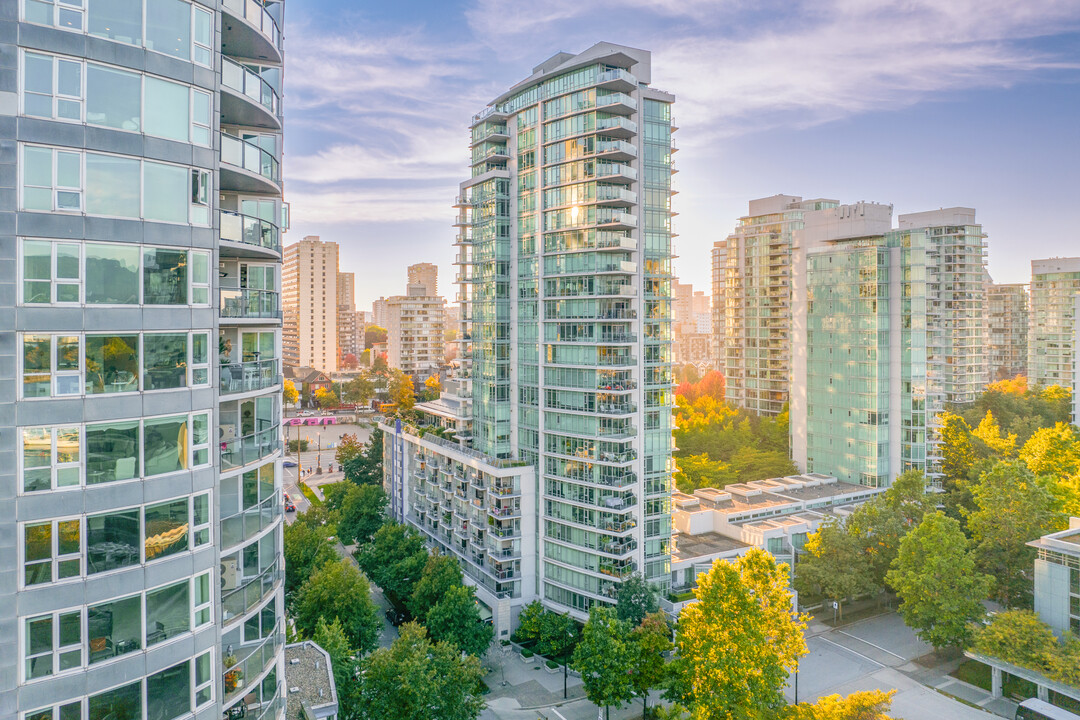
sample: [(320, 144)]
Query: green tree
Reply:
[(739, 642), (940, 589), (374, 334), (441, 573), (957, 450), (331, 637), (835, 566), (1018, 637), (359, 390), (456, 619), (349, 446), (650, 640), (989, 433), (635, 599), (394, 559), (1012, 508), (605, 658), (415, 678), (363, 511), (366, 468), (306, 550), (530, 624), (338, 589), (326, 397), (880, 524)]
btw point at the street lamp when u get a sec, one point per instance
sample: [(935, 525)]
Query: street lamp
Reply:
[(318, 461)]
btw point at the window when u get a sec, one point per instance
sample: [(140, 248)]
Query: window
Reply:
[(112, 364), (165, 447), (200, 439), (52, 644), (114, 628), (165, 529), (204, 686), (112, 452), (70, 711), (66, 14), (167, 109), (200, 117), (200, 359), (202, 35), (50, 272), (52, 87), (164, 276), (165, 193), (165, 361), (168, 693), (168, 612), (112, 274), (51, 180), (112, 541), (51, 551), (50, 365), (50, 458), (121, 702), (113, 186), (113, 97), (200, 197), (200, 520), (119, 20)]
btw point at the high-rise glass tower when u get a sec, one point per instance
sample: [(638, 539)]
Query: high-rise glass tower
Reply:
[(565, 287), (1055, 283), (140, 392), (889, 326), (1007, 330)]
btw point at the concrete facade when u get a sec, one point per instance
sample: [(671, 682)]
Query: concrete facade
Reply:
[(140, 256), (310, 295)]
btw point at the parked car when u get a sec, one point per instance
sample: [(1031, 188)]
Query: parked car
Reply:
[(289, 463)]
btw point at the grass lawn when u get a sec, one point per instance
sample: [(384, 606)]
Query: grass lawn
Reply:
[(309, 494)]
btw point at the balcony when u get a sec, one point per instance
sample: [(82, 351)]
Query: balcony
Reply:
[(617, 79), (613, 172), (248, 168), (246, 524), (248, 376), (614, 220), (250, 304), (247, 662), (252, 232), (250, 101), (609, 195), (238, 601), (617, 127), (619, 103), (616, 150), (249, 31), (245, 450)]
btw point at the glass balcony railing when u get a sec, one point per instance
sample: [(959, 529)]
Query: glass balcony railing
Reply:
[(235, 603), (258, 16), (241, 668), (250, 448), (246, 524), (249, 156), (240, 228), (243, 303), (248, 376), (616, 99), (250, 84)]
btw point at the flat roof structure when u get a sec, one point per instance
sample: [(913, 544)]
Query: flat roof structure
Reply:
[(309, 681)]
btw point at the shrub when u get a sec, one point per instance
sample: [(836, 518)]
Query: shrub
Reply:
[(526, 653)]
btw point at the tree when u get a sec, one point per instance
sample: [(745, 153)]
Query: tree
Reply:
[(366, 468), (433, 384), (1053, 451), (940, 589), (868, 705), (401, 390), (441, 573), (338, 589), (1018, 637), (1012, 508), (326, 397), (605, 657), (880, 524), (363, 511), (415, 678), (359, 390), (635, 599), (349, 446), (650, 640), (289, 394), (836, 565), (989, 432), (394, 559), (957, 451), (379, 366), (456, 619), (306, 550), (739, 642), (374, 334), (331, 637), (530, 623)]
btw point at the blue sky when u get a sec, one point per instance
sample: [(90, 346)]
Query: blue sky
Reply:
[(921, 103)]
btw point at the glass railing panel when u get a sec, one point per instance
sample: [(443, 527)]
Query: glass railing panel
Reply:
[(250, 448), (235, 603), (249, 662), (240, 228), (245, 303), (249, 376), (243, 80)]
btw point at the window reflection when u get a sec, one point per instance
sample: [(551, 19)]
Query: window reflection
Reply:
[(114, 628), (112, 541)]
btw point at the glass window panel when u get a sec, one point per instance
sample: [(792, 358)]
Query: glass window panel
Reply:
[(112, 363), (168, 693), (68, 169), (168, 27), (201, 509), (112, 186), (121, 702), (168, 613), (203, 22), (164, 361), (69, 79), (164, 277), (67, 353), (37, 166), (38, 74), (165, 196), (67, 261), (113, 541), (71, 711), (114, 628), (37, 368), (166, 529), (166, 109), (200, 111), (40, 714), (200, 267), (119, 20), (200, 348), (37, 459), (165, 445), (112, 452), (37, 272), (112, 274), (113, 97)]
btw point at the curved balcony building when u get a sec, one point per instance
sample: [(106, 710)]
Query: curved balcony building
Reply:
[(140, 391)]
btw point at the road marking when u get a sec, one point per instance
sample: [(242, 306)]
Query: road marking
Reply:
[(889, 652), (558, 713), (859, 654)]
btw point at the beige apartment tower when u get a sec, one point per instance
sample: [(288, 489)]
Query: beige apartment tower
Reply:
[(309, 298), (347, 325), (414, 332), (427, 275)]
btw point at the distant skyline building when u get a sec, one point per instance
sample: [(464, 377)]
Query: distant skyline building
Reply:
[(719, 284), (1007, 330), (379, 314), (346, 317), (692, 327), (559, 485), (426, 275), (310, 297), (414, 333), (753, 284), (888, 327), (1055, 283)]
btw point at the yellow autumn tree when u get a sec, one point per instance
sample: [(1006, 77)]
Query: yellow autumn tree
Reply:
[(1053, 451), (869, 705), (289, 393), (1003, 446), (1014, 386)]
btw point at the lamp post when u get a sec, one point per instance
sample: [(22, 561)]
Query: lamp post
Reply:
[(318, 460)]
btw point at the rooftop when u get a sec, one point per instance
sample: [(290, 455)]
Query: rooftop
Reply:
[(685, 547), (307, 667), (1063, 541)]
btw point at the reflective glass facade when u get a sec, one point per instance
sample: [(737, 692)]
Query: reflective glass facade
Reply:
[(1055, 283)]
